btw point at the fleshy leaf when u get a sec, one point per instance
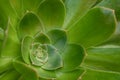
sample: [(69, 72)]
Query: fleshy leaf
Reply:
[(31, 5), (105, 57), (8, 12), (52, 13), (58, 38), (95, 27), (11, 43), (42, 38), (72, 57), (46, 74), (75, 9), (26, 70), (72, 75), (10, 75), (3, 19), (25, 48), (115, 38), (1, 34), (5, 64), (113, 4), (29, 25), (54, 59), (100, 75), (17, 5)]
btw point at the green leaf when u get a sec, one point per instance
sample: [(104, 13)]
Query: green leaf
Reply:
[(2, 34), (72, 75), (45, 74), (11, 43), (17, 6), (31, 5), (5, 64), (115, 38), (29, 25), (94, 28), (3, 19), (113, 4), (41, 38), (25, 48), (8, 11), (76, 9), (72, 57), (27, 71), (105, 57), (10, 75), (58, 38), (54, 59), (100, 75), (52, 13)]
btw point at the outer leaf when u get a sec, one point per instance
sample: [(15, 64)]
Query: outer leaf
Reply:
[(45, 74), (90, 29), (17, 6), (72, 57), (11, 44), (31, 5), (75, 10), (25, 48), (8, 12), (72, 75), (100, 75), (104, 58), (115, 38), (2, 35), (29, 25), (5, 64), (10, 75), (54, 59), (113, 4), (27, 71), (52, 13), (58, 38)]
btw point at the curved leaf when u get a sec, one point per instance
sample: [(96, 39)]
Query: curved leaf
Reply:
[(29, 25), (26, 70), (31, 5), (45, 74), (94, 28), (41, 38), (2, 35), (10, 75), (115, 38), (17, 6), (58, 38), (113, 4), (11, 43), (72, 57), (72, 75), (75, 9), (8, 12), (100, 75), (5, 64), (54, 59), (103, 58), (25, 48), (52, 13)]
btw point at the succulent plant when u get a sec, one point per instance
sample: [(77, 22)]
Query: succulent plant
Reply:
[(59, 40)]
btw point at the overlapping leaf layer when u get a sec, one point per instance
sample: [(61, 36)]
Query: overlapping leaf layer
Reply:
[(59, 40)]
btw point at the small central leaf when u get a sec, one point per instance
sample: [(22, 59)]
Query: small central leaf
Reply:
[(38, 54)]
